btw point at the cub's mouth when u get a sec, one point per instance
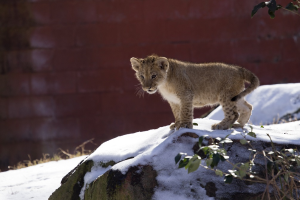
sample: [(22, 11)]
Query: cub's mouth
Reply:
[(152, 90)]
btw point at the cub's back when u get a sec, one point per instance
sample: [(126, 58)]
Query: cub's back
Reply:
[(214, 76)]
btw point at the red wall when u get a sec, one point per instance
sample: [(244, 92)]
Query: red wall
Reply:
[(68, 77)]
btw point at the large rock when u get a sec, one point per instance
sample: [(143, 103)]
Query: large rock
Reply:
[(73, 182), (120, 169), (138, 183)]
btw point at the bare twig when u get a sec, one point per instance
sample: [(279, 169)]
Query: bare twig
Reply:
[(267, 179), (83, 145), (290, 11)]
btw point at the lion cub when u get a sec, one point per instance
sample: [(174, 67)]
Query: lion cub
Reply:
[(187, 85)]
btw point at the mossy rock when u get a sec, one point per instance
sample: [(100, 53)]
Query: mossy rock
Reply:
[(138, 183), (72, 183)]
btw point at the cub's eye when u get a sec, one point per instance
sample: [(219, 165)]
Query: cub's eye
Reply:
[(153, 76), (142, 77)]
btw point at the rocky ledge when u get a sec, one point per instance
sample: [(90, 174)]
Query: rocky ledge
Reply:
[(148, 171)]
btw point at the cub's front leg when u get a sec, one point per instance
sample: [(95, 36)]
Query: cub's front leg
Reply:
[(176, 112), (186, 112)]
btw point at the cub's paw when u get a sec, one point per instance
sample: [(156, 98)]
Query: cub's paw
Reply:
[(174, 125), (219, 126), (184, 125), (215, 127)]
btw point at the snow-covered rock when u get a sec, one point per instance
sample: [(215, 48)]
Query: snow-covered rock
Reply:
[(141, 165), (271, 103)]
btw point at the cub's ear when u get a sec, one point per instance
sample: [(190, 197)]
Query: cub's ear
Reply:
[(163, 63), (135, 64)]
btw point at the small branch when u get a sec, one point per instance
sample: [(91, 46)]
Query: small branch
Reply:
[(291, 11), (67, 154), (83, 144), (278, 190), (267, 188)]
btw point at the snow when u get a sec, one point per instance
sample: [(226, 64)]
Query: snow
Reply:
[(158, 147), (35, 182), (270, 102)]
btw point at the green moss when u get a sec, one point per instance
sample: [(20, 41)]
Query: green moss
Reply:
[(137, 183), (107, 164), (70, 190), (97, 189)]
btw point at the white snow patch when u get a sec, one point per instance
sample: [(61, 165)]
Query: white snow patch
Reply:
[(35, 182)]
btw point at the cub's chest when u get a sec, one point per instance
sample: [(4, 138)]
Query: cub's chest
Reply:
[(169, 95)]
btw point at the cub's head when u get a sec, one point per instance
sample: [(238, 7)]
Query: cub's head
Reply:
[(150, 71)]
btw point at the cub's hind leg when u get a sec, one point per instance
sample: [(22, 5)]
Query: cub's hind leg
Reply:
[(231, 115), (245, 110)]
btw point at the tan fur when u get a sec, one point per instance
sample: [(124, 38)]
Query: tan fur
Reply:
[(187, 85)]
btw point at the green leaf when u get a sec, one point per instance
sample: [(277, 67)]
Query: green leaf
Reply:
[(241, 173), (208, 162), (243, 170), (257, 7), (201, 140), (286, 177), (243, 141), (178, 157), (262, 126), (191, 161), (219, 172), (271, 13), (216, 159), (271, 5), (195, 124), (251, 127), (194, 163), (183, 162), (292, 7), (252, 134), (187, 166), (205, 150), (228, 178), (272, 8)]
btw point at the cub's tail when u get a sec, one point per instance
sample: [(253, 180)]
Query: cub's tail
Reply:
[(250, 78)]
